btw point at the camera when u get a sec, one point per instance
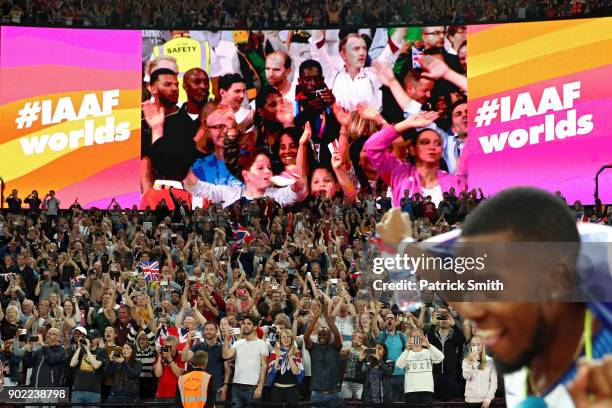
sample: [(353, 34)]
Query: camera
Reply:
[(303, 312), (165, 349), (82, 341), (116, 354), (443, 316), (158, 310)]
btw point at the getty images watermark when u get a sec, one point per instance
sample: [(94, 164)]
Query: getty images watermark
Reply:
[(413, 267)]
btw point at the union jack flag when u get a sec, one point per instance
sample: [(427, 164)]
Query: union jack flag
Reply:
[(150, 270), (241, 234)]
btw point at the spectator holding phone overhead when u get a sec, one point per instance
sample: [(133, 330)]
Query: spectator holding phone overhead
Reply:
[(251, 363), (88, 361), (446, 335), (418, 360)]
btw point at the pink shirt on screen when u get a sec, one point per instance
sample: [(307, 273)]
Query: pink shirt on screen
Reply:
[(401, 175)]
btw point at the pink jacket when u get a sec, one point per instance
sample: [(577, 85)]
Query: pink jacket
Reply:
[(400, 175), (480, 385)]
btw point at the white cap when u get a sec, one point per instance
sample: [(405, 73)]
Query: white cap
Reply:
[(81, 329)]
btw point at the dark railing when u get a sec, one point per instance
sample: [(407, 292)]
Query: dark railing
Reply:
[(497, 403)]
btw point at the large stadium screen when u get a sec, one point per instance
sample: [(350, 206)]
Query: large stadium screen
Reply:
[(70, 105)]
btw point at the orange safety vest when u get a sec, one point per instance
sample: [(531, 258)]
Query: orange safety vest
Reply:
[(194, 389)]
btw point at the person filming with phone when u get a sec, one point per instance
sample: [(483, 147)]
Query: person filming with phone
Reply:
[(168, 368), (480, 375), (418, 360), (445, 335), (88, 359)]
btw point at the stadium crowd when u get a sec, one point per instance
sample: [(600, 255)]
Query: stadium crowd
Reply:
[(114, 304), (273, 14)]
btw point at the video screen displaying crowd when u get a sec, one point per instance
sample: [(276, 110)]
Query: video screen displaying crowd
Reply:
[(272, 14), (290, 117)]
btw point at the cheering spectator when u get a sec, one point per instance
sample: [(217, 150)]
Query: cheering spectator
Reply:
[(251, 363), (326, 385), (285, 369), (354, 83)]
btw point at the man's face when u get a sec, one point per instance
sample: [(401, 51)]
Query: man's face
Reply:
[(234, 96), (433, 36), (460, 119), (166, 89), (109, 334), (189, 323), (390, 322), (354, 52), (123, 314), (276, 73), (43, 307), (462, 54), (512, 331), (196, 85), (323, 335), (310, 80), (210, 331), (247, 327), (53, 338), (420, 90), (20, 260)]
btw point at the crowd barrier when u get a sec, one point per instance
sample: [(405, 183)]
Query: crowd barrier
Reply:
[(497, 403)]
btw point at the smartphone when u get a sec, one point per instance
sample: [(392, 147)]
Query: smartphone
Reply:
[(370, 351), (274, 287), (236, 331), (334, 281), (267, 279)]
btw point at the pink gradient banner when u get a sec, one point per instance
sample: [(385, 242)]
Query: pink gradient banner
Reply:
[(544, 146)]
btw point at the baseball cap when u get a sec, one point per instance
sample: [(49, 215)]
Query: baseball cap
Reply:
[(81, 329)]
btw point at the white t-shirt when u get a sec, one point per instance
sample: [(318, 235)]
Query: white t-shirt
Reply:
[(248, 360)]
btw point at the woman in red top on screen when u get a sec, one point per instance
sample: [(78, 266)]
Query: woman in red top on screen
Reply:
[(422, 173)]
